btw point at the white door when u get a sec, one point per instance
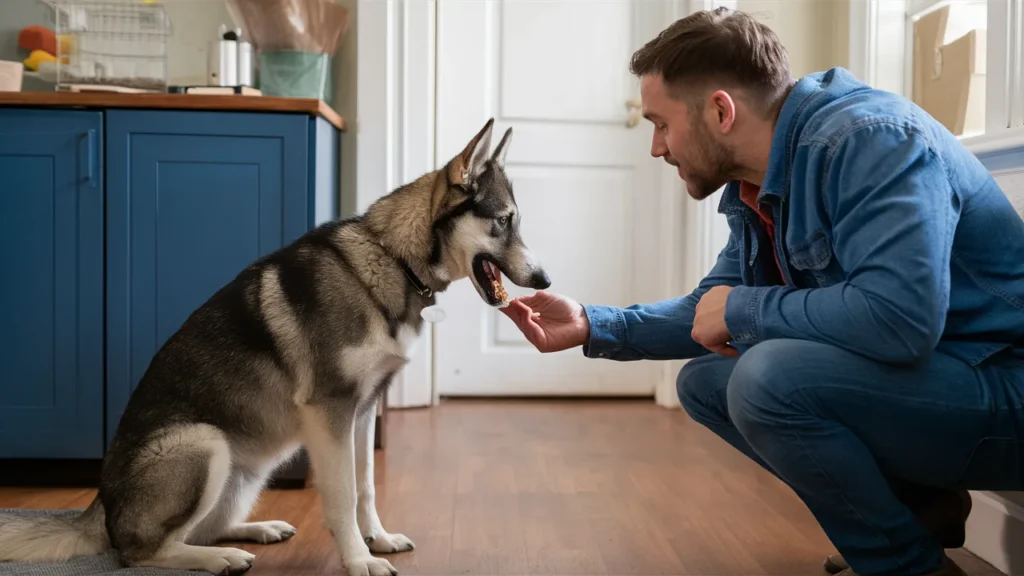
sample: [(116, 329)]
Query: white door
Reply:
[(557, 72)]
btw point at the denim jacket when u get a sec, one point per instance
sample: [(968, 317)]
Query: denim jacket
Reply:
[(894, 241)]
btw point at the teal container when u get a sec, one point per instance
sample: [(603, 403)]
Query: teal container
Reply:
[(295, 74)]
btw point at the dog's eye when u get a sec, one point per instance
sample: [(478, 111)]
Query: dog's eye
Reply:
[(503, 220)]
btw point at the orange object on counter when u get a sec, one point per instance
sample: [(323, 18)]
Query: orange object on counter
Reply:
[(34, 38)]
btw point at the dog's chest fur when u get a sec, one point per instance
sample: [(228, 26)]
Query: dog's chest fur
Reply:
[(372, 363)]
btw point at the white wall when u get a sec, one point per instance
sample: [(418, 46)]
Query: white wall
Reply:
[(814, 32), (195, 24)]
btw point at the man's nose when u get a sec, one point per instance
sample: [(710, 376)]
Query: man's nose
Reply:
[(539, 280), (658, 148)]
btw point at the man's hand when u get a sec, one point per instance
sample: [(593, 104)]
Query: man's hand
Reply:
[(709, 328), (550, 322)]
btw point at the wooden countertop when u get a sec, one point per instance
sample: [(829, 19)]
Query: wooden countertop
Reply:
[(173, 102)]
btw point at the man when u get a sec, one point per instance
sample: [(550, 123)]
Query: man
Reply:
[(861, 335)]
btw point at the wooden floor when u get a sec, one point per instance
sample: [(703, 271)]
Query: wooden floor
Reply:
[(567, 488)]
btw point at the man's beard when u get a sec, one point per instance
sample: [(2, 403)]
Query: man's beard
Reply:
[(718, 160)]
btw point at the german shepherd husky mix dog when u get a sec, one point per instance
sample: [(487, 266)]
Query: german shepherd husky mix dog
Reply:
[(295, 351)]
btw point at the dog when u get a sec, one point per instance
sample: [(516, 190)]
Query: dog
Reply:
[(295, 351)]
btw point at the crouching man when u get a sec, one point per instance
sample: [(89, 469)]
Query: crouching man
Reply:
[(861, 335)]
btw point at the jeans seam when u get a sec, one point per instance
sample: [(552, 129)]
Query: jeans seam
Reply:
[(785, 398)]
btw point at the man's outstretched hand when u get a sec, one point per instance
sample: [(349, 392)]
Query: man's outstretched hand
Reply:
[(551, 322)]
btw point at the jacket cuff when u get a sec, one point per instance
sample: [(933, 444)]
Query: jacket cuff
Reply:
[(742, 314), (607, 331)]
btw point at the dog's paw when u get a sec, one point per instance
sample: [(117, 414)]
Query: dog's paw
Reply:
[(231, 562), (267, 532), (385, 543), (370, 566)]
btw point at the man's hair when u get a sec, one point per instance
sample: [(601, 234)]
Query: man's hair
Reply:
[(717, 46)]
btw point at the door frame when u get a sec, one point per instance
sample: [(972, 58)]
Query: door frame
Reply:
[(396, 102)]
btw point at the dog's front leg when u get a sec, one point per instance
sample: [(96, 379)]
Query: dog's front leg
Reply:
[(369, 522), (330, 441)]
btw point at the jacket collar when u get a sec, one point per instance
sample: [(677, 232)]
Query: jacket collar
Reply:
[(796, 111)]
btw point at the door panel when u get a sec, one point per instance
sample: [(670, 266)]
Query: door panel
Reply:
[(535, 85), (51, 299), (556, 72)]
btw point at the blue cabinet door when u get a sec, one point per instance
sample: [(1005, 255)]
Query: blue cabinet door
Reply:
[(51, 296), (193, 198)]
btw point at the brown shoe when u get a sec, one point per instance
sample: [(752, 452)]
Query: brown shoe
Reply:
[(945, 518), (949, 568)]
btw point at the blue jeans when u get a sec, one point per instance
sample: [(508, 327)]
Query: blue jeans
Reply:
[(839, 428)]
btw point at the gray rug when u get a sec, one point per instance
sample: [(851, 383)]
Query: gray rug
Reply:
[(101, 565)]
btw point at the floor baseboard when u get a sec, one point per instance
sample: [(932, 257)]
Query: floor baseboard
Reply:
[(995, 532)]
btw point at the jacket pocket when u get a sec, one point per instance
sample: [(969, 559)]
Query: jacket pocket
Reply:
[(815, 262)]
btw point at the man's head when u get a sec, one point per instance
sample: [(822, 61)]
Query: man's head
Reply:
[(712, 84)]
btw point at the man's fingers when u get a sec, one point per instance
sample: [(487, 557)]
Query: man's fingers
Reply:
[(533, 331), (724, 350), (531, 300), (522, 301), (518, 308), (517, 312), (526, 320)]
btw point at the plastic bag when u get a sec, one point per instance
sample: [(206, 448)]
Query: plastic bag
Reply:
[(301, 25), (295, 40)]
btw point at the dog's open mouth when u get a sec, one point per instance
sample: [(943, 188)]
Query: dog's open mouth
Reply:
[(488, 277)]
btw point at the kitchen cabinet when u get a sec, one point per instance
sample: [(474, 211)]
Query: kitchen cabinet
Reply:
[(117, 223), (51, 296)]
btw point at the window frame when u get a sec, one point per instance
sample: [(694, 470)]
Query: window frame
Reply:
[(880, 47)]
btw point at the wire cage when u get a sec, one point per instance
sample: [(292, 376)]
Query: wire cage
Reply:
[(111, 44)]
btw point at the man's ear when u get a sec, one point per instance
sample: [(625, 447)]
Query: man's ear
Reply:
[(724, 108)]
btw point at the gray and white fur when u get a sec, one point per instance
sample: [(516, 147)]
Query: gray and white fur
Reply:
[(295, 351)]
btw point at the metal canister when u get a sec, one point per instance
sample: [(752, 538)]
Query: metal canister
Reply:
[(222, 60), (245, 64)]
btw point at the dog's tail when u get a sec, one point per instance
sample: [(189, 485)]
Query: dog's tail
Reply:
[(53, 538)]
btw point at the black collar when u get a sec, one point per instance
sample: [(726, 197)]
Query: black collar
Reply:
[(417, 284)]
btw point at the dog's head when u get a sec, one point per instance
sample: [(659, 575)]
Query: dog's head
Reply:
[(478, 221)]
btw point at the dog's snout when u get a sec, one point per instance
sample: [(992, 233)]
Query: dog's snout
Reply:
[(540, 280)]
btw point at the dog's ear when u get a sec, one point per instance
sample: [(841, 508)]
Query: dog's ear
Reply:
[(502, 150), (468, 165)]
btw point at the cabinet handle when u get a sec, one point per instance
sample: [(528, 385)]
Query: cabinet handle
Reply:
[(90, 160)]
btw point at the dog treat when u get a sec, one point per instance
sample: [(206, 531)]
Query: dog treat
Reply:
[(499, 292)]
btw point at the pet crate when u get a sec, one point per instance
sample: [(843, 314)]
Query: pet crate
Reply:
[(117, 45)]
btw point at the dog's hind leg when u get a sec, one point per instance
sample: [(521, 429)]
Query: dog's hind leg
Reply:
[(176, 480), (226, 522), (329, 437), (370, 526)]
